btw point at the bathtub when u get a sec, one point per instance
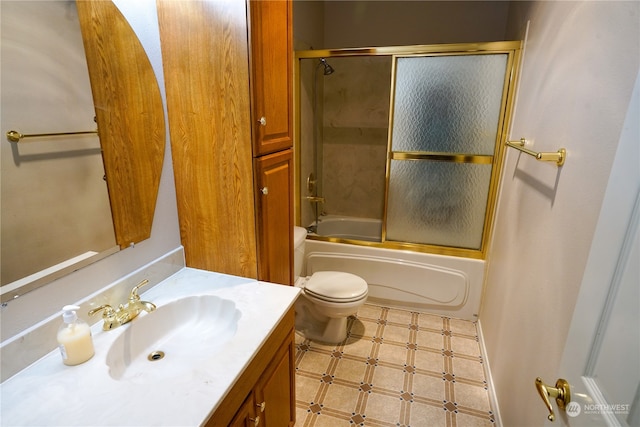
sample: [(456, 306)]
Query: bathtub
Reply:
[(440, 284), (344, 227)]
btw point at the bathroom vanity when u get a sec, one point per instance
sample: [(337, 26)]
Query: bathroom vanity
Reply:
[(244, 372)]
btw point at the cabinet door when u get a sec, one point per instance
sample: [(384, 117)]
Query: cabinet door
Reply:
[(204, 54), (246, 416), (274, 217), (271, 75), (275, 392)]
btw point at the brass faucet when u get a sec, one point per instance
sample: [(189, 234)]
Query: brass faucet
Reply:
[(124, 313)]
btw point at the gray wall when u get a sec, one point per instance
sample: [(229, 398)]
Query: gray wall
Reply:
[(35, 306), (581, 61)]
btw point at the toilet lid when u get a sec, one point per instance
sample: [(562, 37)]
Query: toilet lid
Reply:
[(336, 286)]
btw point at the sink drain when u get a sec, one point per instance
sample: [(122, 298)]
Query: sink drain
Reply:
[(156, 355)]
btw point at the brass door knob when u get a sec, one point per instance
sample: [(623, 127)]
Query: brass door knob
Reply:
[(561, 393)]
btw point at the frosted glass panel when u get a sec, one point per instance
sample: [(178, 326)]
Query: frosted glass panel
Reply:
[(437, 203), (448, 103)]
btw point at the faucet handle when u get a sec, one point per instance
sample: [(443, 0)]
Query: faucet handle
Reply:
[(134, 292), (108, 310)]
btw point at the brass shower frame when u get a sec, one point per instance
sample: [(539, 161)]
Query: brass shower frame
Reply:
[(512, 48)]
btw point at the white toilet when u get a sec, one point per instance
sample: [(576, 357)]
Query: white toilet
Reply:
[(326, 300)]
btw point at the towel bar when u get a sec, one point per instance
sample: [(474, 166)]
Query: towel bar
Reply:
[(558, 157), (15, 136)]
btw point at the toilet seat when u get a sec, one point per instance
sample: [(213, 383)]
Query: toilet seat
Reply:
[(336, 286)]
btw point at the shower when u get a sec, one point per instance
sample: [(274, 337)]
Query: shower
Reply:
[(328, 69), (313, 191), (406, 141)]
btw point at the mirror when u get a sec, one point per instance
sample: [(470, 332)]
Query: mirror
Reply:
[(50, 185)]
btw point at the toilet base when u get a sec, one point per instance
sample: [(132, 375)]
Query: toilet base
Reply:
[(317, 327), (334, 332)]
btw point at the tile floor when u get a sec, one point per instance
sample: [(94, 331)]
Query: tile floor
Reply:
[(396, 368)]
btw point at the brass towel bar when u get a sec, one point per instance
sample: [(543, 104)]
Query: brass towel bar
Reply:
[(15, 136), (558, 157)]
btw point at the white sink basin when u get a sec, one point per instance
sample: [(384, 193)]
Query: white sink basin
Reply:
[(172, 341)]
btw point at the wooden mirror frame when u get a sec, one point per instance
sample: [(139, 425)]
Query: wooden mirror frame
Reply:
[(130, 117)]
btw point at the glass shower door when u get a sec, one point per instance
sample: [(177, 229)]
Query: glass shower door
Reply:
[(447, 113)]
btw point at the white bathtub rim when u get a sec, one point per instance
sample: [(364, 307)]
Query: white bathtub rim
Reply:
[(473, 268), (464, 277)]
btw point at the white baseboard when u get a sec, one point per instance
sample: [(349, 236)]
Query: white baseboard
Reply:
[(487, 374)]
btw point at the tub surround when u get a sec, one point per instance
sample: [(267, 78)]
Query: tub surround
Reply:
[(50, 393)]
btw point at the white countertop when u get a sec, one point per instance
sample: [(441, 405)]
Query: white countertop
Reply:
[(51, 393)]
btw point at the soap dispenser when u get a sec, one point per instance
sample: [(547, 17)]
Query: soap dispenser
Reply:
[(74, 338)]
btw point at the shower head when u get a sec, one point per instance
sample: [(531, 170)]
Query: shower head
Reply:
[(328, 69)]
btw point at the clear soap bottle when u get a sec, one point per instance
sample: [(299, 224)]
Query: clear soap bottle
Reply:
[(74, 338)]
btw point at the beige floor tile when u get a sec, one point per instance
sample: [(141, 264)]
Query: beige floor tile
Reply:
[(463, 327), (467, 346), (370, 312), (317, 345), (469, 369), (422, 378), (391, 379), (359, 347), (423, 415), (325, 420), (382, 408), (392, 353), (298, 338), (430, 321), (357, 328), (471, 396), (399, 316), (301, 416), (466, 420), (429, 360), (398, 334), (369, 328), (351, 370), (314, 362), (428, 387), (341, 398), (307, 388), (426, 339)]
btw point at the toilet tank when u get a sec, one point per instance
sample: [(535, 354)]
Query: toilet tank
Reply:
[(299, 237)]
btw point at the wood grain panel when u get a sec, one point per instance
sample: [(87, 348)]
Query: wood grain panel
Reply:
[(274, 172), (273, 388), (272, 74), (281, 338), (130, 117), (205, 56)]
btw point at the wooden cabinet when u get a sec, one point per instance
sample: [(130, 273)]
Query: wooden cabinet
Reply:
[(246, 415), (266, 389), (204, 54), (274, 393), (271, 75), (227, 65), (274, 179), (271, 64), (218, 87)]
